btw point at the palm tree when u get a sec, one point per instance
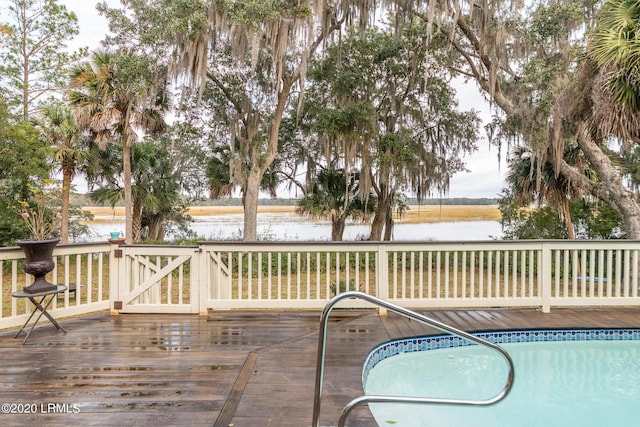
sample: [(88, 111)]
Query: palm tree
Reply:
[(59, 131), (333, 195), (156, 193), (616, 49), (114, 95), (530, 179), (155, 188), (218, 175)]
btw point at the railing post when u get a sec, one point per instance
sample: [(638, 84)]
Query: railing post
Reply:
[(382, 276), (116, 277), (217, 276), (199, 280), (544, 277)]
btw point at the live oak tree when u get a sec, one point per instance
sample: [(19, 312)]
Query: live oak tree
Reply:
[(255, 53), (523, 56), (602, 104), (379, 102)]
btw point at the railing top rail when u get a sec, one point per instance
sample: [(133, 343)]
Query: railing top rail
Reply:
[(322, 338), (354, 242), (138, 245), (60, 245), (447, 243), (603, 244), (14, 252)]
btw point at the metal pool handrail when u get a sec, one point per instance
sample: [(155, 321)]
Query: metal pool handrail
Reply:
[(322, 341)]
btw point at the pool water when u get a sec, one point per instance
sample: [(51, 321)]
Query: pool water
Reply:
[(557, 383)]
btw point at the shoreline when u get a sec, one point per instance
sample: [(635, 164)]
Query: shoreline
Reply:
[(415, 213)]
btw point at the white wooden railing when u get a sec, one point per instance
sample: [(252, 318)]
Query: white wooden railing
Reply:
[(296, 275), (420, 275), (84, 266)]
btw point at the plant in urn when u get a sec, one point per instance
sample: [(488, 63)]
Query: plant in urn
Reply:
[(42, 221)]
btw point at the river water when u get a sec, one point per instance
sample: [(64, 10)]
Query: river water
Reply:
[(288, 226)]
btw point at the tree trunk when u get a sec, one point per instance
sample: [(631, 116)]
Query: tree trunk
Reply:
[(609, 188), (379, 216), (260, 162), (128, 202), (337, 229), (25, 85), (64, 211), (251, 194), (156, 229), (388, 228), (136, 220), (571, 235)]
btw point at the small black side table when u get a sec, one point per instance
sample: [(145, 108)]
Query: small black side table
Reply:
[(39, 307)]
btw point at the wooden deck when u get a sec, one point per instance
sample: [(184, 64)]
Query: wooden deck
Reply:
[(240, 369)]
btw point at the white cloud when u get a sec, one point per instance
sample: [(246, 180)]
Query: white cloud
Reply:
[(93, 26), (487, 175), (486, 178)]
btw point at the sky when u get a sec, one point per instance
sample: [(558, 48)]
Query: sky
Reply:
[(486, 176)]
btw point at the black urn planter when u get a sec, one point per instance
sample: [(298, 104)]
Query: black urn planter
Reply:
[(39, 255)]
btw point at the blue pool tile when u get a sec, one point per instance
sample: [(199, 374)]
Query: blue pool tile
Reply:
[(393, 348)]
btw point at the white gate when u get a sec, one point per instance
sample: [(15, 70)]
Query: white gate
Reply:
[(157, 279)]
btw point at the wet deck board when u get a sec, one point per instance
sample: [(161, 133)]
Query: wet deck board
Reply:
[(227, 368)]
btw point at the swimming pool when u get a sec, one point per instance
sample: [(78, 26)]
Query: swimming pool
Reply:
[(586, 377)]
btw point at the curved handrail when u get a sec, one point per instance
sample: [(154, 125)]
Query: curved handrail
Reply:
[(322, 340)]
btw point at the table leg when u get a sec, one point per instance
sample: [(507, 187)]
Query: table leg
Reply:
[(51, 319), (31, 316), (43, 310)]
